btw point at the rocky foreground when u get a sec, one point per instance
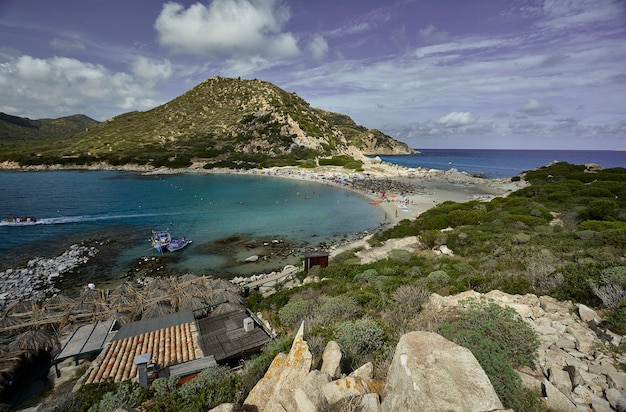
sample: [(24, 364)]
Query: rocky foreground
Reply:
[(575, 370)]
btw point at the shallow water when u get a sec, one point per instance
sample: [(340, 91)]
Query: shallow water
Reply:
[(74, 205)]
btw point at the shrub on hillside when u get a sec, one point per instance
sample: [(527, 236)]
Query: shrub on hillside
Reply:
[(294, 312), (359, 337), (500, 340), (334, 308)]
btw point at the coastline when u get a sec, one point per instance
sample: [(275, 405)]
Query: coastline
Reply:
[(434, 186)]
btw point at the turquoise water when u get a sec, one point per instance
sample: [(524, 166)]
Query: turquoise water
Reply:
[(71, 205)]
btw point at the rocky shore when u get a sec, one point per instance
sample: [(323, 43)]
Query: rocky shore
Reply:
[(36, 281)]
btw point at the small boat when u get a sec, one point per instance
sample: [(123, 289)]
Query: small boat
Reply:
[(177, 244), (162, 242), (20, 219), (375, 202)]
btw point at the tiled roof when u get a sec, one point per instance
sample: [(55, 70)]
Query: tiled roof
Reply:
[(167, 346)]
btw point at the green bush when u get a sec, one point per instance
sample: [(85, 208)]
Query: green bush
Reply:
[(360, 337), (294, 312), (501, 341), (330, 309)]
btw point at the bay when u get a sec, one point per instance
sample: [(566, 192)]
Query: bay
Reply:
[(74, 205), (494, 164)]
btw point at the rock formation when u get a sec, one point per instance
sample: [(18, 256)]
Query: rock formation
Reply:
[(575, 370)]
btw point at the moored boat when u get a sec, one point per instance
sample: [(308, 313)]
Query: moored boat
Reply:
[(162, 242)]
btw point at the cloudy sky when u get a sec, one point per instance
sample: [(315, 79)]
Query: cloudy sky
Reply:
[(540, 74)]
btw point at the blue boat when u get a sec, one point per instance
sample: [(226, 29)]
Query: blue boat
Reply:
[(162, 242)]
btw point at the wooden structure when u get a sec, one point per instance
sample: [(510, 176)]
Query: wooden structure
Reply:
[(230, 335), (86, 340), (315, 259)]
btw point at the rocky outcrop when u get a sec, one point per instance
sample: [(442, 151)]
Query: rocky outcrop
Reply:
[(36, 280), (430, 373), (576, 369)]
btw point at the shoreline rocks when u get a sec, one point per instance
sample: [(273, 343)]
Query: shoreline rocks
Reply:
[(37, 280)]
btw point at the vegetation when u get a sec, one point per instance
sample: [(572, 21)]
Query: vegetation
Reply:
[(501, 341), (222, 122), (564, 235)]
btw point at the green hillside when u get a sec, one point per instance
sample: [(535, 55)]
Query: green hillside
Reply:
[(223, 122)]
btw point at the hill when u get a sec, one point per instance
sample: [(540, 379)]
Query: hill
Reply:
[(223, 122), (15, 130)]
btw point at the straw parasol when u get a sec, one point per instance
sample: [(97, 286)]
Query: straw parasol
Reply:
[(34, 341), (194, 303), (225, 308), (219, 296), (58, 303), (23, 308), (157, 310), (7, 324)]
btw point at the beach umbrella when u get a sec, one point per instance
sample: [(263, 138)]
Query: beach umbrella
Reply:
[(97, 309), (90, 295), (23, 308), (189, 277), (125, 289), (159, 283), (58, 303), (124, 318), (157, 310), (194, 304), (35, 340), (225, 308), (9, 326), (219, 296)]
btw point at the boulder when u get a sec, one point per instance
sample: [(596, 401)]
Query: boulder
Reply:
[(431, 373), (331, 360), (286, 373), (588, 315), (344, 388), (556, 400), (308, 396)]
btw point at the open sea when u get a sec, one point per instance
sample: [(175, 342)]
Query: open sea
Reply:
[(494, 164)]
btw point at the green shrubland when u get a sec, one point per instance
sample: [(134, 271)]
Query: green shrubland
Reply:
[(564, 236)]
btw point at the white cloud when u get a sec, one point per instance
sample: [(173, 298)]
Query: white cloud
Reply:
[(535, 108), (152, 71), (227, 28), (62, 86), (318, 47), (456, 119)]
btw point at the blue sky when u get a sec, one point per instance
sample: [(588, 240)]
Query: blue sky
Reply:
[(498, 74)]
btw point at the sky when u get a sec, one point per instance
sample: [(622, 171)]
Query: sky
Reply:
[(484, 74)]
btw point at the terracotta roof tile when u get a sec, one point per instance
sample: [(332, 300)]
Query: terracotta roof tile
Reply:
[(168, 346)]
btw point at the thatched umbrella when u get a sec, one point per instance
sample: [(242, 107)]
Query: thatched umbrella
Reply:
[(58, 304), (194, 303), (221, 284), (188, 277), (23, 308), (35, 340), (157, 310), (98, 310), (124, 318), (219, 296), (159, 283), (8, 325), (125, 288), (225, 308), (90, 295)]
